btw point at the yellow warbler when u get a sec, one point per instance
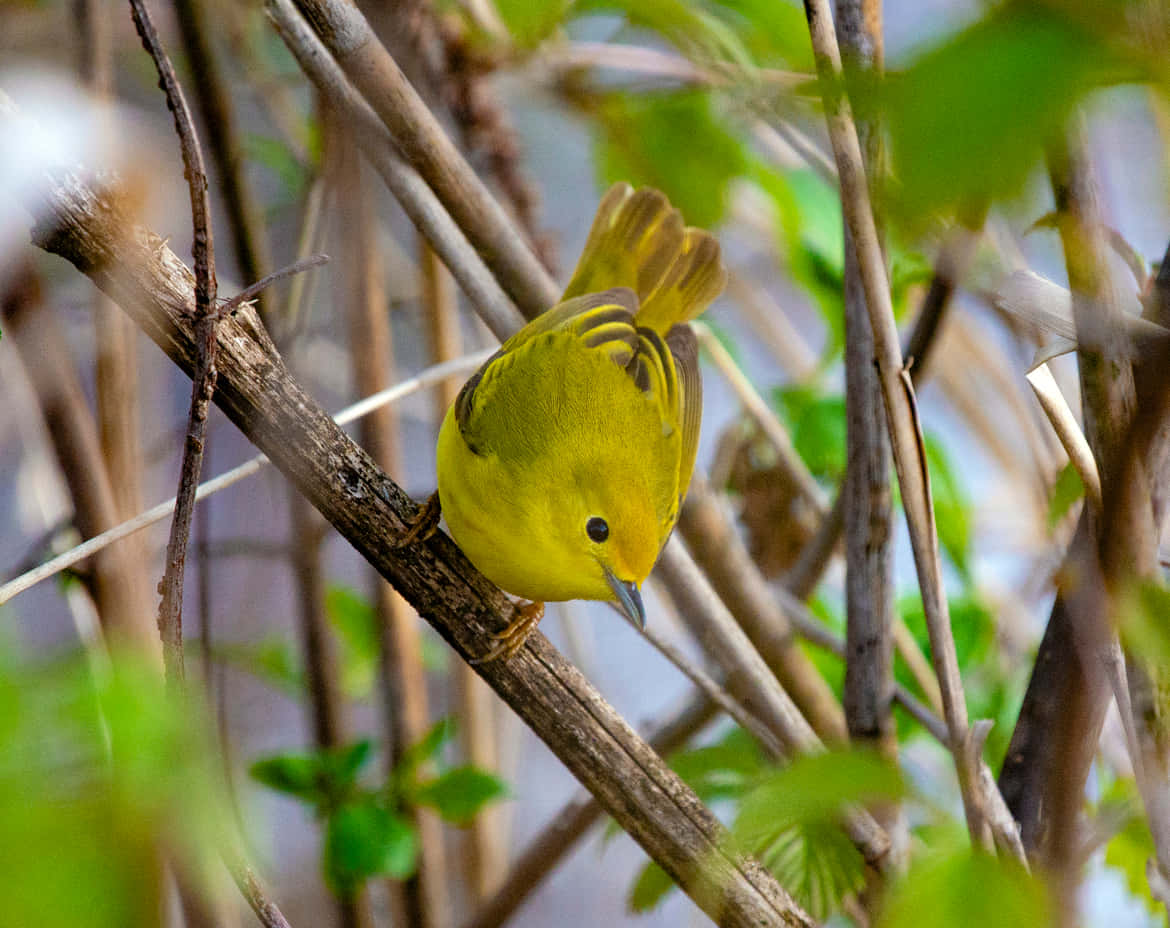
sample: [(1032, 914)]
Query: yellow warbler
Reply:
[(564, 459)]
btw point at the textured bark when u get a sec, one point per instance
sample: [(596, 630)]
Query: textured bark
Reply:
[(371, 512)]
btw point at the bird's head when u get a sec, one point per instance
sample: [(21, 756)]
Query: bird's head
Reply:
[(613, 535)]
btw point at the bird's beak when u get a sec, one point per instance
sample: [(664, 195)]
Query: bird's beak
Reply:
[(629, 598)]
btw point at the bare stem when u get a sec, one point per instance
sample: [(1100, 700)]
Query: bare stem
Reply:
[(170, 616)]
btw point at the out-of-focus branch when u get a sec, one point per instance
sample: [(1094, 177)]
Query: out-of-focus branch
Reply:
[(156, 514), (370, 511), (869, 594), (427, 149), (721, 554), (401, 676), (219, 120), (170, 615), (573, 821), (417, 199), (484, 842), (115, 579)]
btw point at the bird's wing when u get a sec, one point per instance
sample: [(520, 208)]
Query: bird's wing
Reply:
[(601, 322)]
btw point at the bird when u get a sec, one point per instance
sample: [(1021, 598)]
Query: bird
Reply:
[(564, 460)]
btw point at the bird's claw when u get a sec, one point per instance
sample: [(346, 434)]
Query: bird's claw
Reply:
[(512, 638), (424, 524)]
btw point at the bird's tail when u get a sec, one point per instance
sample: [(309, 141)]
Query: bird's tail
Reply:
[(638, 240)]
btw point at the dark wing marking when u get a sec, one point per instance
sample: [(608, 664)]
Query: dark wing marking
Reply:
[(603, 321), (684, 347)]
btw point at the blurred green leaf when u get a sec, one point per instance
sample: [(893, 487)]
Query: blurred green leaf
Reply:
[(274, 660), (649, 889), (966, 889), (808, 217), (297, 775), (723, 770), (1144, 626), (969, 119), (357, 631), (774, 31), (275, 156), (1066, 490), (672, 141), (363, 839), (458, 794), (528, 22), (817, 863), (816, 424), (1132, 847), (100, 769), (323, 778), (791, 820), (428, 746), (692, 27)]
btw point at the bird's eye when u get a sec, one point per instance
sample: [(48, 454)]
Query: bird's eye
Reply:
[(597, 529)]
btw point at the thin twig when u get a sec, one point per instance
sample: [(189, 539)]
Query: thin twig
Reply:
[(170, 614)]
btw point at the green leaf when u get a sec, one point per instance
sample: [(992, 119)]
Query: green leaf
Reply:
[(297, 775), (808, 217), (276, 156), (672, 141), (427, 748), (816, 863), (969, 119), (321, 778), (724, 770), (1132, 847), (362, 840), (966, 889), (357, 630), (1144, 627), (273, 660), (813, 789), (791, 821), (1066, 490), (649, 889), (346, 762), (460, 793), (528, 22), (816, 423), (697, 32), (774, 31)]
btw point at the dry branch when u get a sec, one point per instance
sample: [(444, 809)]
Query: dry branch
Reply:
[(370, 511), (170, 613)]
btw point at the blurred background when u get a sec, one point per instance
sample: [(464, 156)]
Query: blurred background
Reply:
[(715, 103)]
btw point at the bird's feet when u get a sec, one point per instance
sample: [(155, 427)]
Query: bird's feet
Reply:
[(424, 524), (512, 638)]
